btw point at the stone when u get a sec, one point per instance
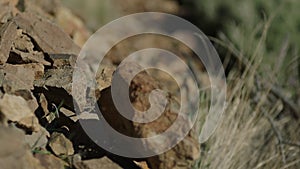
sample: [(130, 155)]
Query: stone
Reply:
[(61, 61), (57, 78), (104, 77), (44, 104), (185, 153), (29, 123), (142, 164), (29, 97), (49, 161), (97, 163), (15, 108), (72, 25), (17, 77), (37, 139), (60, 145), (23, 51), (8, 33), (14, 152), (50, 38), (7, 10), (56, 85)]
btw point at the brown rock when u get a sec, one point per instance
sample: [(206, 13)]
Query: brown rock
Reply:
[(30, 123), (104, 76), (184, 153), (50, 38), (18, 80), (44, 104), (49, 161), (61, 61), (8, 33), (1, 77), (17, 77), (38, 69), (37, 139), (72, 25), (57, 78), (97, 164), (60, 145), (23, 51), (56, 85), (67, 112), (28, 96), (44, 8), (22, 42), (85, 115), (15, 108), (55, 12), (142, 164), (18, 57), (14, 153), (7, 10)]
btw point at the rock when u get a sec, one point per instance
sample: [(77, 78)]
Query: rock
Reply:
[(60, 145), (23, 51), (43, 8), (85, 115), (184, 153), (37, 139), (31, 40), (22, 42), (7, 10), (18, 57), (72, 25), (29, 123), (49, 161), (8, 33), (18, 80), (50, 38), (97, 164), (61, 61), (37, 68), (182, 156), (56, 85), (44, 104), (55, 12), (67, 112), (57, 78), (104, 76), (29, 44), (30, 99), (15, 108), (17, 77), (142, 164), (14, 153)]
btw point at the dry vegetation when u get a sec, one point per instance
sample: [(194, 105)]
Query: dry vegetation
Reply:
[(260, 126)]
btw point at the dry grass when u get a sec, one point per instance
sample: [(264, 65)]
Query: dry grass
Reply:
[(257, 129)]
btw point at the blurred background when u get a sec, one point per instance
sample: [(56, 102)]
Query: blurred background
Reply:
[(242, 23)]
